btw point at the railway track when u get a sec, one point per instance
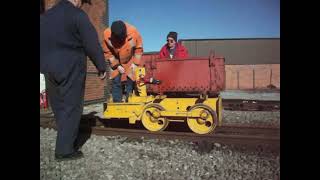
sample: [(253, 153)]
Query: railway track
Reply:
[(234, 134)]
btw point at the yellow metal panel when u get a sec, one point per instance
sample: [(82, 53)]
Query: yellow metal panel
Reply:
[(174, 113), (138, 99), (177, 104), (174, 107), (123, 110), (182, 104), (179, 114), (141, 86)]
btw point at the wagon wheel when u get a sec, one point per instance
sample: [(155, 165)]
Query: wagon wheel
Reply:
[(151, 119), (206, 122)]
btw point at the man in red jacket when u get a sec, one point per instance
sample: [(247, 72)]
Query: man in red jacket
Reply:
[(173, 49)]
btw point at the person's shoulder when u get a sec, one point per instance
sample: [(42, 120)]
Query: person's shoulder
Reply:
[(129, 26), (131, 29), (66, 8), (164, 47), (79, 12), (79, 16)]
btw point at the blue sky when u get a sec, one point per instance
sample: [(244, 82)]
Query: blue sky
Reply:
[(198, 19)]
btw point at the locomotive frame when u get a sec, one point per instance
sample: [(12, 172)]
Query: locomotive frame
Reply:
[(202, 113)]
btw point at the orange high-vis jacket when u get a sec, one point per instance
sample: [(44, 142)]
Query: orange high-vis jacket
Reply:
[(130, 52)]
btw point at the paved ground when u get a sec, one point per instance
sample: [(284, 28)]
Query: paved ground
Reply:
[(251, 95)]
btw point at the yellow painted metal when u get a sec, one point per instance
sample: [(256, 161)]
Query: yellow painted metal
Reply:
[(140, 72), (178, 104), (202, 125), (176, 107), (179, 114), (156, 113), (202, 114), (123, 110), (137, 99), (151, 119)]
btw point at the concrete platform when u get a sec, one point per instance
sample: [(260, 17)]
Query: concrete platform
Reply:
[(251, 95)]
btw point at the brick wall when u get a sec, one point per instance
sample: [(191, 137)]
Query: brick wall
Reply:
[(94, 88)]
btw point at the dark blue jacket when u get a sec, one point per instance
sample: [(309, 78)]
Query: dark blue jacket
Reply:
[(66, 38)]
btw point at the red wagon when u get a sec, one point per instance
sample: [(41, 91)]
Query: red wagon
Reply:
[(191, 75)]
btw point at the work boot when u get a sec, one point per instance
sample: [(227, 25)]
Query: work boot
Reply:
[(73, 156)]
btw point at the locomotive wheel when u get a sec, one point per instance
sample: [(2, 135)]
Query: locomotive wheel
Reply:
[(151, 119), (205, 123)]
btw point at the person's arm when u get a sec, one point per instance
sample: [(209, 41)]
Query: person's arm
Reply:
[(138, 51), (108, 53), (184, 52), (90, 40), (162, 53)]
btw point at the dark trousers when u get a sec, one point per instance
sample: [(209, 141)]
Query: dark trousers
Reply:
[(117, 88), (66, 98)]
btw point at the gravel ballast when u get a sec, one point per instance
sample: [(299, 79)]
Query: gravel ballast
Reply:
[(267, 118), (115, 157)]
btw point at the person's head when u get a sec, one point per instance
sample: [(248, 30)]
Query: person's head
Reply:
[(79, 3), (118, 31), (172, 39)]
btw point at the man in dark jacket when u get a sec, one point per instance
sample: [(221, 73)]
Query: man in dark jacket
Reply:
[(66, 39)]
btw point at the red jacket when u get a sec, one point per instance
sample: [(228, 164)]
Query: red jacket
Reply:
[(180, 52)]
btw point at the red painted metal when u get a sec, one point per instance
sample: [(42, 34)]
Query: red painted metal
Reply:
[(195, 74), (149, 57)]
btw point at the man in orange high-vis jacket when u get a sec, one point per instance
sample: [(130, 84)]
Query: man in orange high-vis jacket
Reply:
[(123, 48)]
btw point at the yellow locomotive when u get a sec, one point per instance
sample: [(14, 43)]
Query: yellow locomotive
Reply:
[(202, 111)]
